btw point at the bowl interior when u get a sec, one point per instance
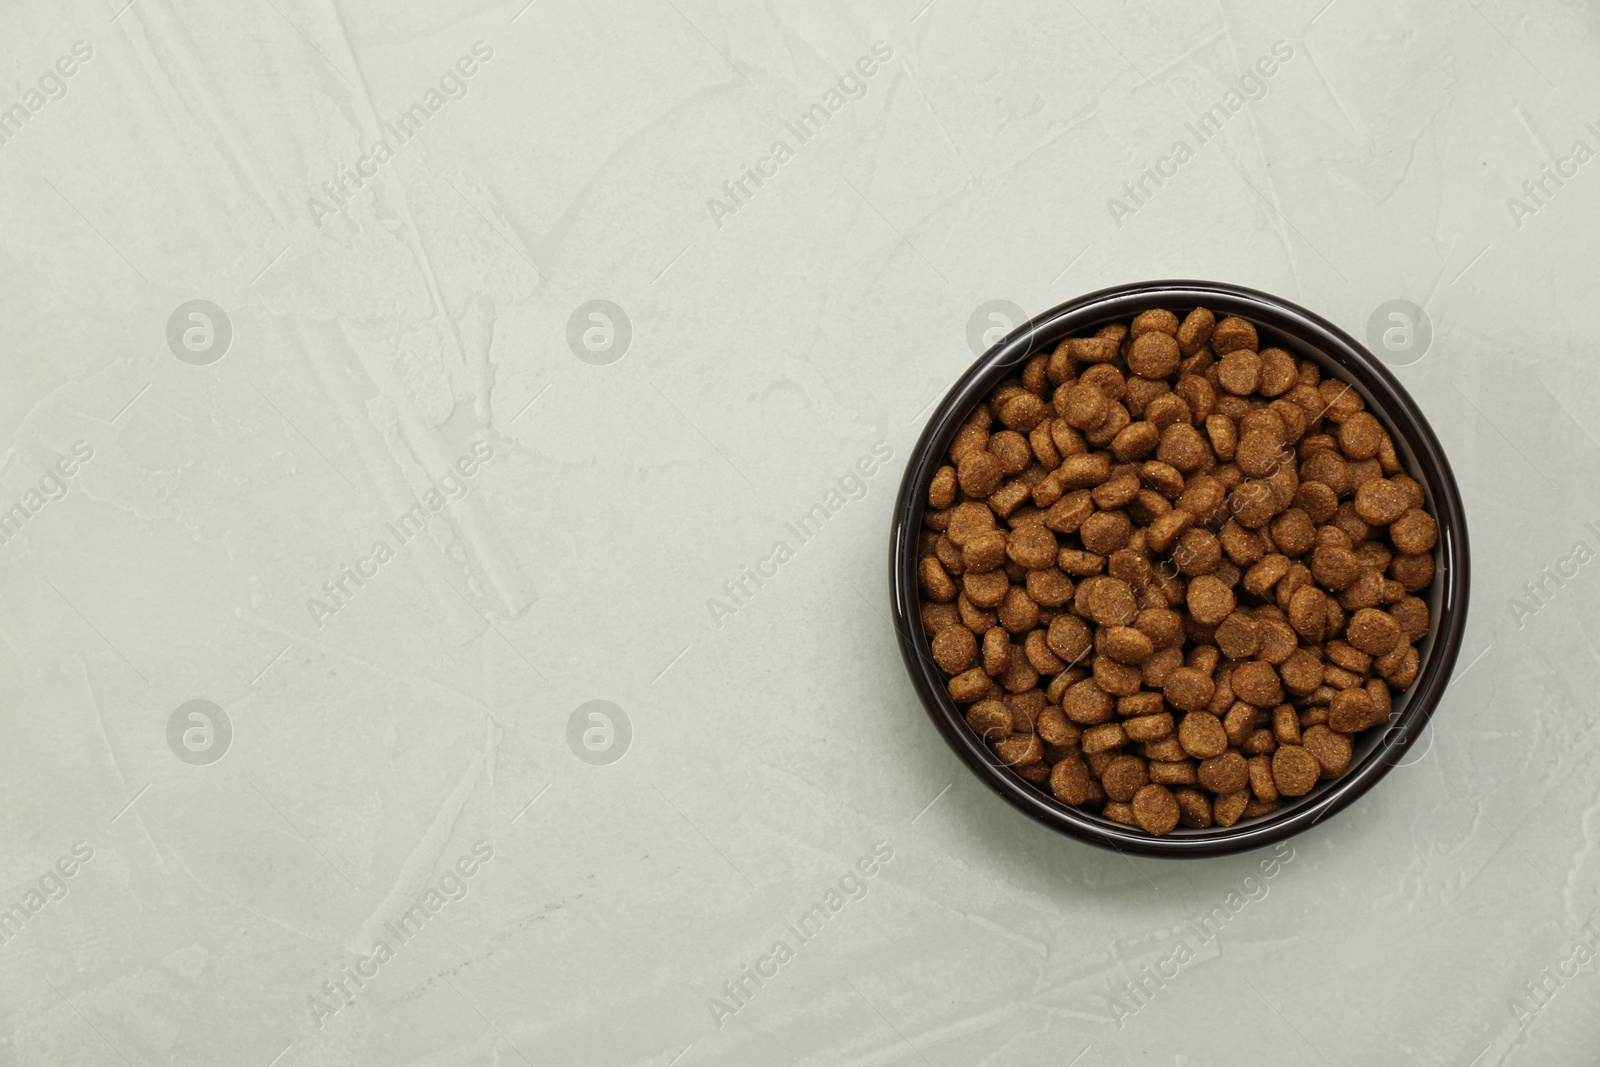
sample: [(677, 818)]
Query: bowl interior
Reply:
[(1307, 336)]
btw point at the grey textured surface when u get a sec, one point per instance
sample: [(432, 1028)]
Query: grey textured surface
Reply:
[(600, 481)]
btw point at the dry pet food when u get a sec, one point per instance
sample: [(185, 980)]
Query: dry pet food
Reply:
[(1170, 574)]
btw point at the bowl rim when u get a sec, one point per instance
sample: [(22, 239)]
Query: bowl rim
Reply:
[(1452, 560)]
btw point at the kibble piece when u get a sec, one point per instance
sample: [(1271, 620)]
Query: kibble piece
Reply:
[(1351, 711), (996, 650), (1086, 704), (1261, 780), (1238, 636), (970, 685), (1174, 772), (979, 474), (1188, 689), (1123, 777), (1226, 810), (1361, 436), (1107, 601), (954, 648), (1195, 331), (1331, 750), (1379, 501), (1412, 572), (967, 521), (1257, 682), (1240, 372), (1032, 546), (1194, 807), (1225, 773), (984, 551), (1294, 770), (1023, 412), (1301, 672), (1155, 809), (1209, 600), (1156, 320), (1105, 532), (986, 590), (1414, 532), (1373, 632), (1103, 738), (936, 584), (1154, 355), (942, 490), (1308, 612), (989, 719), (1201, 735), (1127, 645), (1070, 781), (1233, 334)]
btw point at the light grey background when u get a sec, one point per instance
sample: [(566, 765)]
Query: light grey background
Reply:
[(373, 747)]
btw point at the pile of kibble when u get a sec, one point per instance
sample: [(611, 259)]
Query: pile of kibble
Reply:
[(1171, 574)]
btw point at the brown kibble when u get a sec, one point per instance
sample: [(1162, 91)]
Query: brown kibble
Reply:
[(986, 590), (936, 584), (1201, 735), (954, 649), (1331, 750), (1374, 632), (1209, 600), (1155, 809), (1126, 644), (1238, 636), (967, 521), (1123, 777), (1352, 711), (1174, 772), (1023, 412), (1103, 738), (1227, 810), (1154, 355), (1294, 770), (1301, 672), (1145, 526), (1233, 334), (970, 685), (1257, 682), (1240, 372), (1107, 601), (1360, 436), (1308, 612), (1414, 532), (1182, 447), (979, 474), (1380, 502), (989, 719), (1105, 531), (1188, 689), (1194, 808), (1086, 704), (1225, 773), (1195, 331), (1032, 546)]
